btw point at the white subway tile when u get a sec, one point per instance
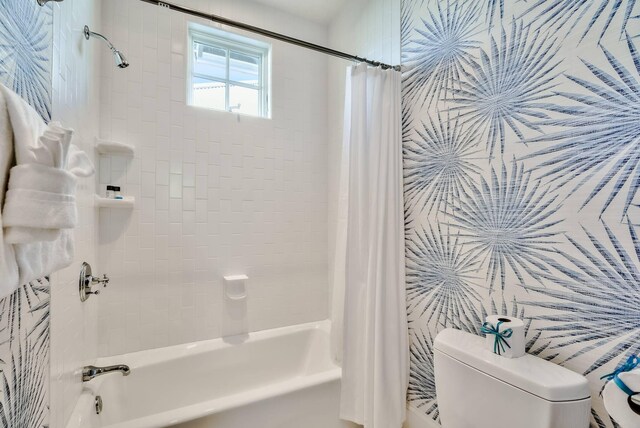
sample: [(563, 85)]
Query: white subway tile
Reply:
[(217, 193)]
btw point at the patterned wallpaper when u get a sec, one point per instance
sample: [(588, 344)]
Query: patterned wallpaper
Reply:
[(25, 53), (522, 171)]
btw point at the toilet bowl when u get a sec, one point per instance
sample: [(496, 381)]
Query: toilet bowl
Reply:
[(479, 389)]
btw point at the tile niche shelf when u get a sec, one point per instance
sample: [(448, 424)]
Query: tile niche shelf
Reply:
[(105, 147), (128, 202), (114, 148)]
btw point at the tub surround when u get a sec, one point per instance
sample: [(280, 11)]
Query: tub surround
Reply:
[(216, 194)]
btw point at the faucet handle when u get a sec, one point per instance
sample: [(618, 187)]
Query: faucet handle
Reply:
[(87, 280), (104, 280)]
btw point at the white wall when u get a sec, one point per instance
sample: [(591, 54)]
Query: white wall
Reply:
[(369, 28), (75, 84), (216, 194)]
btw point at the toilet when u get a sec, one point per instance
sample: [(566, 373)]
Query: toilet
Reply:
[(479, 389)]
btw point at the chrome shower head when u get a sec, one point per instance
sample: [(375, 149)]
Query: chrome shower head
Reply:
[(120, 59)]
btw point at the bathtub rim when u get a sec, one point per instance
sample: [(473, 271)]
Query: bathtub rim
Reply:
[(153, 356)]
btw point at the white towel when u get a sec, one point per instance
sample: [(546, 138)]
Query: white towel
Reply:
[(40, 197), (39, 259), (65, 155), (40, 210), (8, 264), (27, 126), (79, 164), (25, 235)]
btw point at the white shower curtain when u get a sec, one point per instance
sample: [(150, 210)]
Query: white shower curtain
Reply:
[(369, 308)]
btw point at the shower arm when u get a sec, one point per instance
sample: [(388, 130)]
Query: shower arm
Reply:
[(88, 33)]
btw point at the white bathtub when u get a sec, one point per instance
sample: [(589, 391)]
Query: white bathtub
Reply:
[(281, 378)]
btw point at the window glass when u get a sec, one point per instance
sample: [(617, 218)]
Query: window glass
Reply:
[(208, 93), (244, 68), (244, 100), (209, 61), (228, 72)]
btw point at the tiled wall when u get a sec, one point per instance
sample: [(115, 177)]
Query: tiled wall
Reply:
[(75, 78), (217, 194), (369, 28)]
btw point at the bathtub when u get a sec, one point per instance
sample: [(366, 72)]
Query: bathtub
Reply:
[(280, 378)]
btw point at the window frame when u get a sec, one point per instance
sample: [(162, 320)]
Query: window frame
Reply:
[(231, 42)]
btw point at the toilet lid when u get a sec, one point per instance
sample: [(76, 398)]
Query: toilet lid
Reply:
[(532, 374)]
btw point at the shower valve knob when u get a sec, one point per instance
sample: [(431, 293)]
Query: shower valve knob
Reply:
[(87, 280), (104, 280)]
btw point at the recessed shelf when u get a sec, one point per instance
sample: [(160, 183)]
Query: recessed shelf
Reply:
[(106, 147), (127, 202)]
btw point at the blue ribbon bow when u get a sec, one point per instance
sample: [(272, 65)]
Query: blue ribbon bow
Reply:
[(500, 337), (632, 363)]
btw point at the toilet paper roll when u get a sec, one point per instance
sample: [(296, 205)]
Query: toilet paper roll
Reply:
[(617, 402), (516, 342)]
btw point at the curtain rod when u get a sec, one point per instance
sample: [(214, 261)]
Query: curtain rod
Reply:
[(270, 34)]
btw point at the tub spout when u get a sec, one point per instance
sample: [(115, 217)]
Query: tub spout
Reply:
[(90, 372)]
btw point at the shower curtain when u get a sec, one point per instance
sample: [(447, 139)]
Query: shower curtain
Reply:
[(370, 333)]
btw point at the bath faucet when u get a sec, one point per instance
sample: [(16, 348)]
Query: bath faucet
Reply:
[(89, 372)]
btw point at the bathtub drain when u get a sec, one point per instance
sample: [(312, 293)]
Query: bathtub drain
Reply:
[(98, 404)]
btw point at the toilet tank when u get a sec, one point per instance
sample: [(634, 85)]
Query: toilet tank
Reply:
[(479, 389)]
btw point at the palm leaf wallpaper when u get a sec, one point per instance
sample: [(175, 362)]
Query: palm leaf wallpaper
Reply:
[(25, 67), (25, 52), (522, 175), (509, 88)]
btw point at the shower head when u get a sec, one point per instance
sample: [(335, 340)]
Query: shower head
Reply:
[(120, 59)]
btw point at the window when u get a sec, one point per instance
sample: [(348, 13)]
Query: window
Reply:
[(228, 72)]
